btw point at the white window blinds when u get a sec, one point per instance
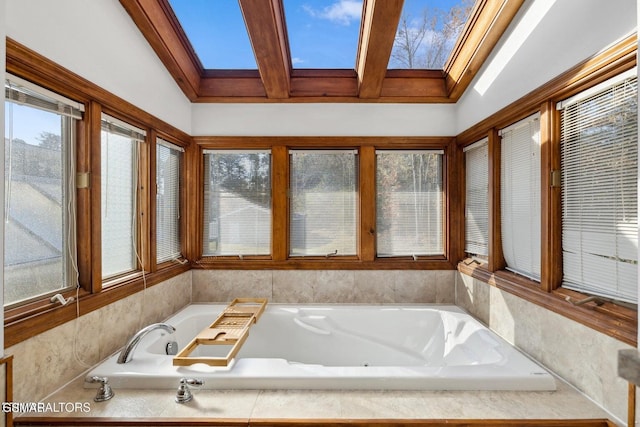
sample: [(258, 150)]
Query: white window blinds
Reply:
[(323, 202), (24, 92), (168, 173), (119, 198), (237, 204), (409, 203), (477, 199), (520, 196), (599, 159)]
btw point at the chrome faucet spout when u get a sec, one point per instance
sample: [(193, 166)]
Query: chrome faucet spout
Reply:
[(127, 351)]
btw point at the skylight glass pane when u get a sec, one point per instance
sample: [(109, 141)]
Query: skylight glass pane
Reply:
[(217, 32), (427, 32), (323, 34)]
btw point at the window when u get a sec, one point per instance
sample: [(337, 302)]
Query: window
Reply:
[(477, 199), (322, 202), (168, 173), (237, 203), (39, 191), (409, 203), (120, 145), (520, 196), (599, 163)]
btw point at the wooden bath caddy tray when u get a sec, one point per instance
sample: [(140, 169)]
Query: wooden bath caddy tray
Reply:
[(231, 328)]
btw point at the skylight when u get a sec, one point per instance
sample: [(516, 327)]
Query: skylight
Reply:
[(427, 32), (321, 49), (323, 34), (217, 33)]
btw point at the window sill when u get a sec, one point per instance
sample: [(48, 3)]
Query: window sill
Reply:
[(330, 263), (611, 319), (24, 322)]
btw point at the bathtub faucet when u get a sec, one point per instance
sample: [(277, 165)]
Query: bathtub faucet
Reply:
[(127, 350), (184, 394)]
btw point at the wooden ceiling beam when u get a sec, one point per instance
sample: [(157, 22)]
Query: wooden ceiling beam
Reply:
[(410, 84), (268, 34), (161, 28), (488, 21), (243, 84), (323, 83), (377, 34)]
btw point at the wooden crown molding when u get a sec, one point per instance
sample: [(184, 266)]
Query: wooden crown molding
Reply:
[(488, 21), (277, 81)]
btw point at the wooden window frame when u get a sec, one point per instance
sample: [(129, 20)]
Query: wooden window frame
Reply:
[(24, 321), (233, 257), (443, 213), (359, 209), (142, 235), (66, 155), (182, 226), (366, 224), (618, 321)]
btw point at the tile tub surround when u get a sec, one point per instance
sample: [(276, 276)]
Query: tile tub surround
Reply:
[(45, 362), (256, 405), (326, 286), (585, 358)]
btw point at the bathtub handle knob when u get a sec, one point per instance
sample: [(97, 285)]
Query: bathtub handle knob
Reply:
[(105, 392), (184, 394)]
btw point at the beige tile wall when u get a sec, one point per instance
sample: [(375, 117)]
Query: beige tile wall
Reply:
[(326, 286), (584, 357), (47, 361)]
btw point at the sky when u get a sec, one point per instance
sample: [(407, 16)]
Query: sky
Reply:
[(28, 123), (322, 33)]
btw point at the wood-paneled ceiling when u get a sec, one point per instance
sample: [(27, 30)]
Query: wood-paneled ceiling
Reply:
[(276, 80)]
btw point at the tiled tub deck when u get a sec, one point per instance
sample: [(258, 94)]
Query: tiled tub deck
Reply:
[(240, 407)]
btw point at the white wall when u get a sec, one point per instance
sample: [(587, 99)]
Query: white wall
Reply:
[(302, 119), (569, 32), (98, 40)]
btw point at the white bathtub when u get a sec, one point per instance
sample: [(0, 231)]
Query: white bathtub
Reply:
[(432, 347)]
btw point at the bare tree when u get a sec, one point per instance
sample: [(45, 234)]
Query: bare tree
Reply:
[(50, 140), (425, 42)]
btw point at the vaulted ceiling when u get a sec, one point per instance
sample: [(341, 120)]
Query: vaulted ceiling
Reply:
[(276, 80)]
